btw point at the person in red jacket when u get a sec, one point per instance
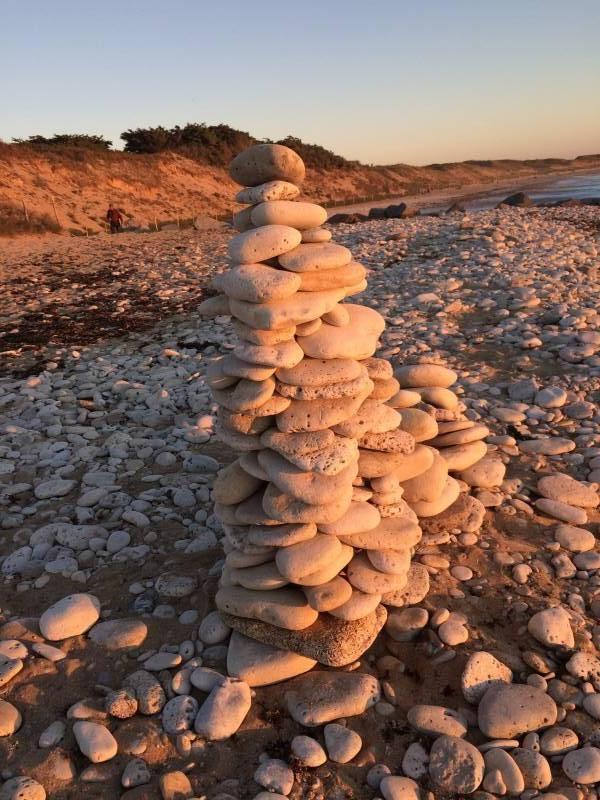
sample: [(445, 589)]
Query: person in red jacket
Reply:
[(114, 219)]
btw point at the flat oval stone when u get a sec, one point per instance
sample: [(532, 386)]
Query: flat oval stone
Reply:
[(261, 664), (246, 395), (117, 634), (462, 456), (288, 212), (301, 559), (455, 766), (425, 375), (284, 608), (411, 465), (392, 533), (462, 436), (281, 507), (448, 496), (271, 190), (316, 372), (429, 485), (348, 275), (328, 572), (372, 464), (576, 540), (359, 517), (567, 490), (284, 354), (392, 562), (262, 577), (436, 721), (257, 283), (328, 595), (281, 535), (233, 484), (506, 712), (357, 340), (322, 697), (359, 606), (71, 616), (261, 244), (364, 577), (310, 487), (315, 415), (313, 257), (262, 163), (295, 310), (308, 751)]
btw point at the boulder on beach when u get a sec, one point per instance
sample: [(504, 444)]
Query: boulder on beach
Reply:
[(517, 199)]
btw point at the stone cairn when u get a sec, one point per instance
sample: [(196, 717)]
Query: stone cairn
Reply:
[(339, 458)]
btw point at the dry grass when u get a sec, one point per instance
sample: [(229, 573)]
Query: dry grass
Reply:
[(14, 222)]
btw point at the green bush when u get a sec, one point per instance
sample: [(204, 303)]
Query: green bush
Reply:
[(90, 141), (218, 144)]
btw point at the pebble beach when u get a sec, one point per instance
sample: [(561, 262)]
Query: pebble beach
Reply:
[(110, 551)]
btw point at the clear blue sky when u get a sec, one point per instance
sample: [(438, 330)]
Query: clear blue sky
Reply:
[(411, 81)]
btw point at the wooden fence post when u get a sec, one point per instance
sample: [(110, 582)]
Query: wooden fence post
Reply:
[(55, 213)]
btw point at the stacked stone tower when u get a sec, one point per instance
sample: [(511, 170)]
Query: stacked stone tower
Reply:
[(338, 458)]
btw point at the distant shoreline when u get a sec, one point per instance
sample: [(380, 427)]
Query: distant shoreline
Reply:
[(440, 198)]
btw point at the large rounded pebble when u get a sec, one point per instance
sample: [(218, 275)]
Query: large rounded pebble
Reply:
[(394, 787), (224, 710), (552, 627), (22, 788), (262, 163), (482, 671), (71, 616), (576, 540), (275, 775), (582, 766), (436, 721), (376, 774), (534, 767), (136, 773), (342, 743), (556, 741), (512, 778), (506, 712), (116, 634), (308, 751), (179, 714), (212, 629), (452, 632), (95, 741), (562, 511), (10, 718), (53, 734), (455, 766), (415, 761)]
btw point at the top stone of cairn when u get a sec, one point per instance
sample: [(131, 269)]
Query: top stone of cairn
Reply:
[(267, 162)]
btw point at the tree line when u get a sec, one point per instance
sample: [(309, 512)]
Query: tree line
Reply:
[(215, 145)]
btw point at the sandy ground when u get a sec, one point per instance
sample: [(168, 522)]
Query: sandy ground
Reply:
[(127, 299)]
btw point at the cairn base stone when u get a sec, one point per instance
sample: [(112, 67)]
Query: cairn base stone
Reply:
[(466, 514), (332, 642)]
